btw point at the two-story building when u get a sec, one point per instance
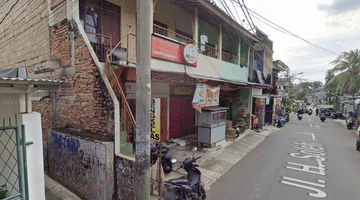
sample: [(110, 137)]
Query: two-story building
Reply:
[(91, 44)]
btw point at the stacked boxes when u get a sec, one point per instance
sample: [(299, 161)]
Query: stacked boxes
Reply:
[(230, 131)]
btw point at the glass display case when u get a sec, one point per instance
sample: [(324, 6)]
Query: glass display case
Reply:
[(211, 124)]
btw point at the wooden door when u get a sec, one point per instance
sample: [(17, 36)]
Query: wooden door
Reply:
[(182, 116)]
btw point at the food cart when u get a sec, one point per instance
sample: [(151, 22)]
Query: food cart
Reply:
[(211, 125)]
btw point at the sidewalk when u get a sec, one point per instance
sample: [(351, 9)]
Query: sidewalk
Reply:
[(343, 122), (214, 162), (55, 191)]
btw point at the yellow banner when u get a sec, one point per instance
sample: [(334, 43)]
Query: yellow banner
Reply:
[(155, 119)]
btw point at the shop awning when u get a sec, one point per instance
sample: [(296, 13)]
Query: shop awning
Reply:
[(261, 96), (197, 76)]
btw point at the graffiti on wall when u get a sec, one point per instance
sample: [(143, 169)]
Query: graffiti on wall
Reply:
[(125, 172), (78, 163)]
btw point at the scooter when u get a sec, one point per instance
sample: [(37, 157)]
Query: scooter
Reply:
[(322, 117), (240, 128), (281, 121), (310, 112), (299, 116), (189, 187), (167, 161), (350, 123), (337, 115)]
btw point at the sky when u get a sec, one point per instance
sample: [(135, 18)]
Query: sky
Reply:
[(330, 24)]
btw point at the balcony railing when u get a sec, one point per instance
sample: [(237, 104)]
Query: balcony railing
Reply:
[(101, 44), (171, 34), (209, 50), (229, 58)]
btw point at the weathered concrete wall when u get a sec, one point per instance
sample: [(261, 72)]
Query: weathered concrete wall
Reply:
[(124, 176), (24, 35), (84, 166)]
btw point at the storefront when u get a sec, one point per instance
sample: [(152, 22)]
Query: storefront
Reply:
[(258, 106), (239, 104), (160, 94)]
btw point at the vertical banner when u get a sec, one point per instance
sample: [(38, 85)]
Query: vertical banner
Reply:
[(155, 119), (205, 96)]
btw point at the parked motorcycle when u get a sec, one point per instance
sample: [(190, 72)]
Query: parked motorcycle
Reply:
[(166, 157), (240, 128), (281, 121), (299, 116), (337, 115), (185, 188), (322, 117), (350, 123)]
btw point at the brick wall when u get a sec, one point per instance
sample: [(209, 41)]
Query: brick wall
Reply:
[(85, 107)]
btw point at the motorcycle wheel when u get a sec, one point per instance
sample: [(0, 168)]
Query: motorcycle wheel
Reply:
[(323, 120), (202, 191), (167, 166), (358, 145), (350, 126)]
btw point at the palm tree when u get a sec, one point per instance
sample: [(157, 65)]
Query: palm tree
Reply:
[(348, 63)]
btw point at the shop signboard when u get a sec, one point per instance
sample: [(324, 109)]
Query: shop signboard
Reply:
[(172, 51), (155, 119), (180, 90), (190, 54), (205, 96)]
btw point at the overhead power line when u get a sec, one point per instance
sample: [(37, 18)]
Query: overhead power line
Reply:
[(283, 30)]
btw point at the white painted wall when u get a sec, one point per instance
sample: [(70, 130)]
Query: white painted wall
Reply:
[(34, 152), (9, 106)]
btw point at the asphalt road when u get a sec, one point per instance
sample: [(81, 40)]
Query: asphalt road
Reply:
[(305, 159)]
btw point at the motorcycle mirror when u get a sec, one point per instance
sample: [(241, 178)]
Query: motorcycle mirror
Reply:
[(193, 150)]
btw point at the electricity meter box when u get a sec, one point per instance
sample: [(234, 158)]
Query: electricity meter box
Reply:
[(211, 124)]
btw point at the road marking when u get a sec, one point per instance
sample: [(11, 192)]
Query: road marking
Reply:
[(313, 151), (312, 134), (306, 168), (310, 125), (321, 181), (309, 119), (318, 194), (306, 182)]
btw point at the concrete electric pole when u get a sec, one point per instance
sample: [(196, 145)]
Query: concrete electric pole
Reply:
[(144, 9)]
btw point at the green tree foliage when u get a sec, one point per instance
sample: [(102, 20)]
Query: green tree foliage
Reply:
[(329, 75), (347, 81), (4, 192)]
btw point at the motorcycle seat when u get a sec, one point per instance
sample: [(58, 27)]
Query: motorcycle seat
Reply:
[(181, 180)]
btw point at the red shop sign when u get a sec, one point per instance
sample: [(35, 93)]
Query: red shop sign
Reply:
[(168, 50)]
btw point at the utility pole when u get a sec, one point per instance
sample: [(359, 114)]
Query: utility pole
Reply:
[(144, 9)]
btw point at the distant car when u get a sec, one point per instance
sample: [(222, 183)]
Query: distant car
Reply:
[(328, 112)]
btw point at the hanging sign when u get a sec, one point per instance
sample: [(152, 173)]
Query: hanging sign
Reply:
[(205, 96), (190, 54), (155, 119)]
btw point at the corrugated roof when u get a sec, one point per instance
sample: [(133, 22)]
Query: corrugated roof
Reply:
[(31, 81)]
